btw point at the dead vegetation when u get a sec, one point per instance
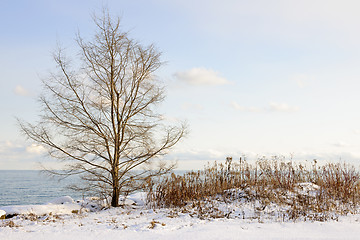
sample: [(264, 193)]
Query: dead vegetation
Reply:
[(298, 191), (12, 220), (9, 223), (153, 224)]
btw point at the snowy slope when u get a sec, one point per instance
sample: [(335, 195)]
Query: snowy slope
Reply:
[(136, 221), (126, 224)]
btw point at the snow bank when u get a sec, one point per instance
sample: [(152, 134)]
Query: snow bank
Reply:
[(62, 200), (138, 199), (96, 204), (142, 224), (61, 205), (41, 209), (244, 221), (2, 213), (93, 203), (67, 205)]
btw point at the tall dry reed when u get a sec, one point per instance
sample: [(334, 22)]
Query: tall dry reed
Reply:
[(267, 181)]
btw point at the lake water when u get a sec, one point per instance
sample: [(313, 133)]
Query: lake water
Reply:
[(24, 187), (32, 187)]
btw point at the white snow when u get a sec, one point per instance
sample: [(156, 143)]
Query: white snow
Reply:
[(93, 203), (62, 200), (2, 213), (41, 209), (307, 188), (135, 220), (136, 224), (139, 198)]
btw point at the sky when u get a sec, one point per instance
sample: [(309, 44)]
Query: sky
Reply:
[(251, 78)]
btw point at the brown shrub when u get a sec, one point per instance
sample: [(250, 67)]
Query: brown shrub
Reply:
[(266, 181)]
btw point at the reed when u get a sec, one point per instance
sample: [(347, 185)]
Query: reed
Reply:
[(267, 181)]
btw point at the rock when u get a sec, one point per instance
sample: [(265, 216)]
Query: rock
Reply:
[(2, 214)]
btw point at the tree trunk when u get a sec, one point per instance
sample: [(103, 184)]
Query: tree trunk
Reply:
[(115, 187), (115, 197)]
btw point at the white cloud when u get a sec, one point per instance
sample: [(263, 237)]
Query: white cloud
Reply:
[(341, 144), (191, 106), (273, 107), (14, 149), (302, 80), (35, 149), (197, 155), (197, 159), (238, 107), (356, 131), (169, 119), (21, 91), (282, 107), (201, 76), (326, 157), (20, 155)]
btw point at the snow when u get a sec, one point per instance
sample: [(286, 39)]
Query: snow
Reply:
[(62, 200), (93, 203), (2, 213), (57, 220), (41, 209), (307, 188), (138, 198), (136, 224)]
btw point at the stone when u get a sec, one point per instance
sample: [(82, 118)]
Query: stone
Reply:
[(2, 214)]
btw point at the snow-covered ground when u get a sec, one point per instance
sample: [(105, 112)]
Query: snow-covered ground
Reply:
[(64, 218)]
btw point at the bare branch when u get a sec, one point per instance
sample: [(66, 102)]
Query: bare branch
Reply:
[(100, 118)]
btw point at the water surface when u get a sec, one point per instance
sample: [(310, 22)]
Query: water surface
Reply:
[(23, 187)]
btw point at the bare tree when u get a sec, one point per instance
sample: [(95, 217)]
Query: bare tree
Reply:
[(100, 118)]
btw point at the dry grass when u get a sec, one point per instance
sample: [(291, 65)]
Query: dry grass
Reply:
[(268, 181), (9, 223), (39, 219), (153, 224)]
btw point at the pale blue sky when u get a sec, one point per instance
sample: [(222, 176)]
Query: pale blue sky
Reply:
[(251, 77)]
